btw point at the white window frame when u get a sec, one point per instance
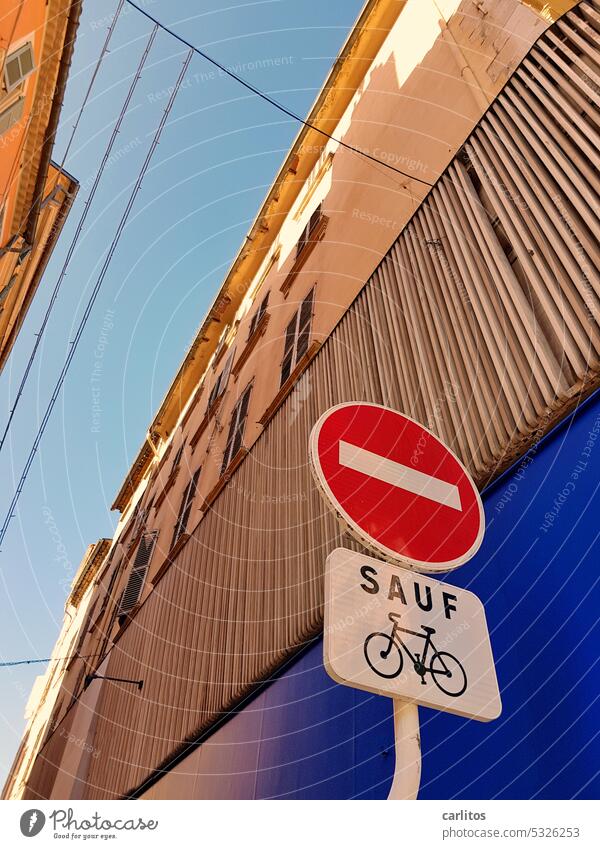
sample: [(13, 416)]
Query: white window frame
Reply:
[(27, 47)]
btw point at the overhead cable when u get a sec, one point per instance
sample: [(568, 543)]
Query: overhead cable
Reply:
[(93, 296), (267, 97), (61, 276)]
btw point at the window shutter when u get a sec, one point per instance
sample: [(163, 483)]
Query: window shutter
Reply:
[(226, 371), (137, 575), (185, 507), (302, 241), (310, 227), (258, 315), (288, 351), (297, 337), (177, 458), (304, 326), (18, 66), (314, 219), (236, 428), (141, 517), (241, 422), (221, 382), (214, 392), (10, 116), (263, 307)]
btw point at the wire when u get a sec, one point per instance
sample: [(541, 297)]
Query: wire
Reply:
[(45, 660), (93, 296), (79, 228), (259, 93)]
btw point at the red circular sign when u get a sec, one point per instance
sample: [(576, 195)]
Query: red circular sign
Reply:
[(396, 486)]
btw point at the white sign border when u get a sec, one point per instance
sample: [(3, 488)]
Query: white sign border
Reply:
[(355, 530), (328, 661)]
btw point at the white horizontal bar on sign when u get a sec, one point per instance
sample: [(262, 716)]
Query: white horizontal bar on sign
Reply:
[(396, 474)]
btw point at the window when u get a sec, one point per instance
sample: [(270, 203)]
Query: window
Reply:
[(236, 428), (313, 222), (258, 315), (297, 335), (11, 115), (185, 507), (221, 381), (137, 576), (141, 518), (18, 66), (177, 457)]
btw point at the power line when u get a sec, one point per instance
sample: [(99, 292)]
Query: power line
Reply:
[(45, 660), (61, 276), (266, 97), (93, 296)]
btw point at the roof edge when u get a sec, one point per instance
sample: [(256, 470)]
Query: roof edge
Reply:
[(375, 21)]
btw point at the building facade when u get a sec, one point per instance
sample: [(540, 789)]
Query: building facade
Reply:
[(68, 651), (460, 286), (36, 44)]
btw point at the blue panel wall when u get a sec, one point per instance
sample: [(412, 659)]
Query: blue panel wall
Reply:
[(537, 573)]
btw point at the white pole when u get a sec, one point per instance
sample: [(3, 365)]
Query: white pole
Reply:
[(407, 772)]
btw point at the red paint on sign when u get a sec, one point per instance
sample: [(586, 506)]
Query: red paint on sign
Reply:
[(398, 488)]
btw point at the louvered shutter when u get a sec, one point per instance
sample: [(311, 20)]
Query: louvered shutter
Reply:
[(308, 230), (10, 116), (226, 371), (314, 220), (230, 438), (253, 323), (288, 351), (221, 381), (137, 575), (214, 392), (241, 423), (258, 315), (236, 428), (302, 240), (304, 327), (177, 458), (185, 507), (18, 66)]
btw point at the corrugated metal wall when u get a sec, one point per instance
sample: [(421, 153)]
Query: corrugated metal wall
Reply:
[(482, 322)]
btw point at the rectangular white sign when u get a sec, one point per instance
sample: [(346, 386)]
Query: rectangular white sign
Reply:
[(392, 631)]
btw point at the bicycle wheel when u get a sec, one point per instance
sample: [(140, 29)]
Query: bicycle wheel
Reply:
[(383, 655), (449, 675)]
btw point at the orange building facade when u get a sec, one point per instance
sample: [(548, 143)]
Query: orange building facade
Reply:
[(423, 286), (36, 44)]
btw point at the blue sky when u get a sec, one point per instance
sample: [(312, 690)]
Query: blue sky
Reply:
[(218, 155)]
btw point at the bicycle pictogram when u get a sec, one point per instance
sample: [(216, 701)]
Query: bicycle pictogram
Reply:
[(383, 653)]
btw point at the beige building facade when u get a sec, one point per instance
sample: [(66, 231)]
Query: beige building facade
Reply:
[(68, 651)]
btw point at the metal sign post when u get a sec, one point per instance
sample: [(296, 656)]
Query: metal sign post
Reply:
[(402, 493), (407, 742)]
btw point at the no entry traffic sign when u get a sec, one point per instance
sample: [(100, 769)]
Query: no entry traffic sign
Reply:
[(396, 486)]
